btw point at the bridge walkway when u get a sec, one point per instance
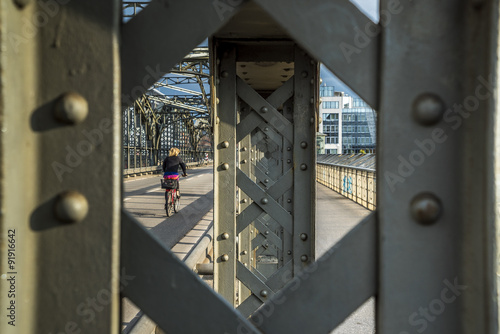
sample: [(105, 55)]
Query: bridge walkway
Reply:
[(335, 216)]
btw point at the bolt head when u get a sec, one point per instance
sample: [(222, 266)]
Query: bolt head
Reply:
[(71, 207), (225, 236), (428, 109), (303, 144), (225, 166), (264, 109), (264, 293), (225, 144), (426, 208), (303, 236), (304, 258), (71, 108), (224, 258), (264, 200), (303, 167)]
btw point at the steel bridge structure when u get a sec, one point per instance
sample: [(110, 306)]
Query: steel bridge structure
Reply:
[(85, 92)]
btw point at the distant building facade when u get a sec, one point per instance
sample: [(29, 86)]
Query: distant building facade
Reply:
[(348, 124)]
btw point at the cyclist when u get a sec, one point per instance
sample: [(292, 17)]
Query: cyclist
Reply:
[(171, 167)]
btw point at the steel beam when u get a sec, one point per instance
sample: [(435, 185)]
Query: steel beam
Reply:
[(320, 297), (168, 291), (145, 59), (339, 35), (60, 165), (225, 252)]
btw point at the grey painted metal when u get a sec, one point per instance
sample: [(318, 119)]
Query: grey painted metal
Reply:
[(168, 291), (336, 33), (305, 106), (49, 50), (245, 235), (266, 127), (145, 59), (326, 294), (225, 251), (426, 258)]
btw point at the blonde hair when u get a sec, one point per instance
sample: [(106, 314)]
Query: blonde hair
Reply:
[(174, 151)]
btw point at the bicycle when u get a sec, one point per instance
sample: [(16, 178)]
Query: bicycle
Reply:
[(173, 202)]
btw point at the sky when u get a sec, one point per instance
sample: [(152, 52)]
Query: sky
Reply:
[(370, 9)]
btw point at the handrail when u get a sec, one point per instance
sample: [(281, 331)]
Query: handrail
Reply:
[(355, 183)]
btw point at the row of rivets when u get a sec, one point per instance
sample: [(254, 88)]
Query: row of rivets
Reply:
[(70, 108), (427, 109)]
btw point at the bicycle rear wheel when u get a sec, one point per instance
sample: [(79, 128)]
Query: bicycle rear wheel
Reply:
[(169, 209), (177, 203)]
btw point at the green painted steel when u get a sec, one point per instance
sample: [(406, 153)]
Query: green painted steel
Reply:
[(428, 253)]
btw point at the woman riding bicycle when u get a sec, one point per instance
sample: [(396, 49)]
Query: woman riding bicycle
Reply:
[(171, 166)]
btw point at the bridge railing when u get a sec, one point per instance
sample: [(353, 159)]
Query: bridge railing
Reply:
[(352, 176), (157, 169)]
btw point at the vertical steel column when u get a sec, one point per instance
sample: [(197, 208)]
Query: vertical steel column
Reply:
[(225, 175), (128, 137), (60, 158), (304, 159), (422, 194), (245, 237)]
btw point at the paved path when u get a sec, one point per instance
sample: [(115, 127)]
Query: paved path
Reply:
[(145, 200), (335, 216)]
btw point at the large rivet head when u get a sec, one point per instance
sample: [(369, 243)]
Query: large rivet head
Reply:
[(428, 109), (303, 167), (71, 108), (266, 181), (263, 293), (224, 258), (289, 161), (305, 74), (225, 166), (71, 207), (244, 200), (264, 200), (244, 252), (289, 200), (303, 236), (303, 144), (289, 252), (224, 74), (264, 109), (243, 149), (225, 144), (426, 208), (244, 161), (225, 236), (267, 232), (304, 258)]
